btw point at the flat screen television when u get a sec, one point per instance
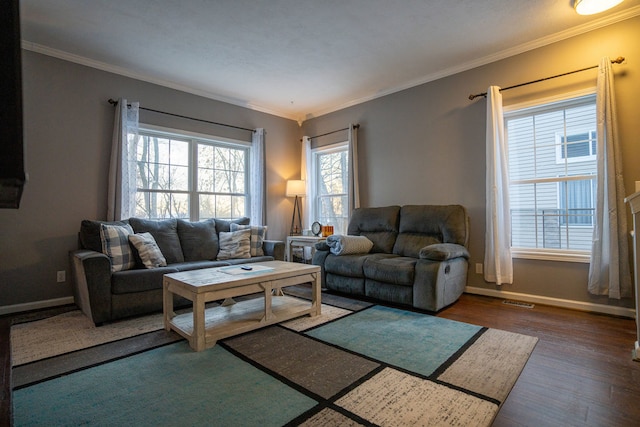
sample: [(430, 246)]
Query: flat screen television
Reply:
[(12, 159)]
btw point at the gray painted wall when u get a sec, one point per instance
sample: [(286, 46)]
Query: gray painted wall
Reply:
[(68, 127), (421, 145), (427, 144)]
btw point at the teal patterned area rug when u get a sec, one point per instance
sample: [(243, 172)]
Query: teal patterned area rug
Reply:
[(378, 366)]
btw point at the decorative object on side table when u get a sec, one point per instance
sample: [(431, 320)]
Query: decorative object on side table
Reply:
[(316, 228), (296, 188)]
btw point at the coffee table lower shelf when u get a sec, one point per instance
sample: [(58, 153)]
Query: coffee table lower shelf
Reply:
[(228, 320)]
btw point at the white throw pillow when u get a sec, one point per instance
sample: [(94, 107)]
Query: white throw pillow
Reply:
[(235, 244), (148, 249), (257, 236)]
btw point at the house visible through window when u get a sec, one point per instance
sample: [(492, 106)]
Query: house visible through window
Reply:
[(552, 168), (187, 176), (330, 186)]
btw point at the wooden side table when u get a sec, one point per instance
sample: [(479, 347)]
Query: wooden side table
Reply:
[(301, 242)]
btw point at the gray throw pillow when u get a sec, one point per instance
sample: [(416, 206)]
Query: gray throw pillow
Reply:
[(225, 224), (199, 240), (165, 233)]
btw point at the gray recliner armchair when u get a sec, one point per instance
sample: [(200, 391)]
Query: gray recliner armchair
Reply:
[(419, 256)]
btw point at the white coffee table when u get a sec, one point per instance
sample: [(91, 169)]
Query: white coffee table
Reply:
[(204, 327)]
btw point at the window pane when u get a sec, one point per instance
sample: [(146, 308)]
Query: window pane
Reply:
[(223, 207), (333, 173), (164, 173), (550, 148), (179, 178), (207, 206), (157, 205), (205, 180), (238, 206), (331, 187), (179, 153)]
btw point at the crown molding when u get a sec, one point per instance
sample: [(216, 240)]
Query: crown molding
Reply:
[(525, 47), (103, 66)]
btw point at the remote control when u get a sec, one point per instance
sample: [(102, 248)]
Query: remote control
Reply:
[(244, 267)]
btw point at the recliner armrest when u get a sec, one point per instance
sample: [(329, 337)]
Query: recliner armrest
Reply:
[(443, 252), (274, 248), (91, 275), (322, 246)]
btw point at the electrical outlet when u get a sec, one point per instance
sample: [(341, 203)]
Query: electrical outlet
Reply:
[(478, 268), (61, 276)]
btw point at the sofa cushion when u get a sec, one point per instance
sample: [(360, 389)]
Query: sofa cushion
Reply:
[(235, 244), (425, 225), (197, 265), (199, 240), (115, 245), (148, 250), (224, 225), (396, 270), (349, 285), (165, 232), (139, 280), (90, 233), (380, 225), (387, 292), (256, 239), (350, 265)]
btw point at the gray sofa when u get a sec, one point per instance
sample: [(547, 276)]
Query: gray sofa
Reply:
[(105, 296), (419, 256)]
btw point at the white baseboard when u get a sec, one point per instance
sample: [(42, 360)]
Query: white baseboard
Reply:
[(556, 302), (17, 308)]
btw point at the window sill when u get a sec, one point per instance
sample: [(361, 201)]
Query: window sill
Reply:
[(552, 255)]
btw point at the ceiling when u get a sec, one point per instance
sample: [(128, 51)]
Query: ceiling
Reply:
[(298, 58)]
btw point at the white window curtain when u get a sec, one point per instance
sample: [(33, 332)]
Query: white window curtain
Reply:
[(305, 171), (609, 272), (121, 192), (354, 188), (258, 178), (498, 265)]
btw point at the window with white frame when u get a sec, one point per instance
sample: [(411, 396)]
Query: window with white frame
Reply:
[(552, 174), (183, 175), (330, 176)]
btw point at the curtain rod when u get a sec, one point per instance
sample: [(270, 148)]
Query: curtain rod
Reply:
[(333, 131), (114, 103), (618, 60)]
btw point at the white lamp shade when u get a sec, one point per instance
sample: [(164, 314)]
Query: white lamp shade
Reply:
[(296, 187), (590, 7)]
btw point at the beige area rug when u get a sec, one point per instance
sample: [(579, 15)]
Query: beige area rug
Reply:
[(74, 331)]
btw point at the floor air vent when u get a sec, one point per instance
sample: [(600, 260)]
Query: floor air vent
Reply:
[(518, 304)]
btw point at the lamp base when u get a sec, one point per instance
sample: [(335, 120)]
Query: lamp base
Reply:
[(296, 229)]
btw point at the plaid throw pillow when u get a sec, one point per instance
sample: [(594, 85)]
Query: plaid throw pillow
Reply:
[(257, 237), (234, 244), (115, 245)]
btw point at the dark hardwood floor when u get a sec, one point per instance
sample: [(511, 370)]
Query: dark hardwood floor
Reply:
[(580, 373)]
